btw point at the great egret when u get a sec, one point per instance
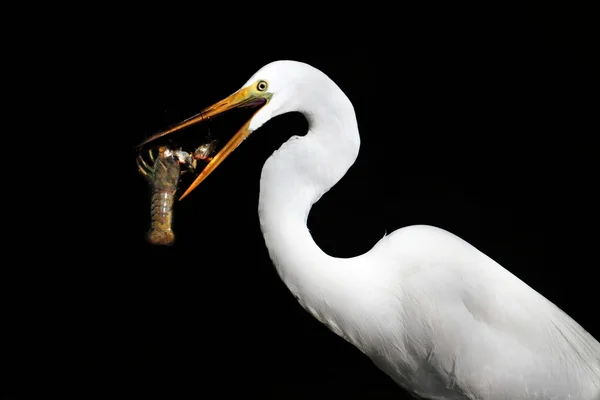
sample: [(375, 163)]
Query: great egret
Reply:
[(441, 318)]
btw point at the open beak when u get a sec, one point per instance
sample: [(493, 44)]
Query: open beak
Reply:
[(248, 97)]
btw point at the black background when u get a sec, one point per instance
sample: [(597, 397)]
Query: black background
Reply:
[(484, 129)]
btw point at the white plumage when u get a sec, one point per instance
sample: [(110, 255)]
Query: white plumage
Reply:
[(441, 318)]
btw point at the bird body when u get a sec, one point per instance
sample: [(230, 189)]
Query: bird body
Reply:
[(441, 318)]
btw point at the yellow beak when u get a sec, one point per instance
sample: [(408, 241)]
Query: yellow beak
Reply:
[(246, 97)]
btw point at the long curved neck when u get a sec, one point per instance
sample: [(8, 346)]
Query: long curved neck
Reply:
[(295, 177)]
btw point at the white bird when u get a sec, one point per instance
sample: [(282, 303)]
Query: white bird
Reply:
[(441, 318)]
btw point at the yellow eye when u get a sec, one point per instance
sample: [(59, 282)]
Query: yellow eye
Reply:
[(262, 86)]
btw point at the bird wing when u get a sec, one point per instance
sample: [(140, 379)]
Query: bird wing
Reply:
[(471, 326)]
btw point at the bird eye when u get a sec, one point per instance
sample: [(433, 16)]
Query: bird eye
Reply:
[(262, 86)]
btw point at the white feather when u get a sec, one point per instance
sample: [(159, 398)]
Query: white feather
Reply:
[(441, 318)]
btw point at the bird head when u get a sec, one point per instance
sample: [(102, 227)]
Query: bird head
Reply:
[(269, 91)]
